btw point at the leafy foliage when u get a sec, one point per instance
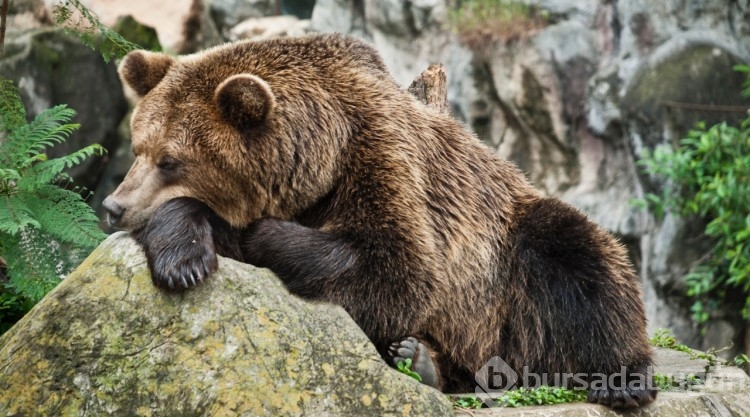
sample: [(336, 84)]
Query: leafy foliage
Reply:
[(45, 228), (468, 401), (543, 395), (665, 339), (522, 397), (708, 176), (13, 114), (666, 382), (83, 23)]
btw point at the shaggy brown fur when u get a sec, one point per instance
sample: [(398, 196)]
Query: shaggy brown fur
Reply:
[(355, 193)]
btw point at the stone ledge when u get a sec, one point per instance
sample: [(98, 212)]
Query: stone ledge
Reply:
[(725, 392)]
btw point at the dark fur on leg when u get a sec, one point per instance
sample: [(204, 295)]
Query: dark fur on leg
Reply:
[(559, 251), (302, 257), (342, 269), (181, 241)]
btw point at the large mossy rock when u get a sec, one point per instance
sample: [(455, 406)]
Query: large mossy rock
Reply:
[(107, 342)]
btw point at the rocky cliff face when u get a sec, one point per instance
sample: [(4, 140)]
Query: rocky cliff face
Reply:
[(576, 102)]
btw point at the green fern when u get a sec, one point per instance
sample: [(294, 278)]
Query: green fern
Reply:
[(13, 114), (26, 144), (35, 263), (90, 30), (45, 228)]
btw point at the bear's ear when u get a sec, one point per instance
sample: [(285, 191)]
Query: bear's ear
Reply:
[(142, 70), (244, 100)]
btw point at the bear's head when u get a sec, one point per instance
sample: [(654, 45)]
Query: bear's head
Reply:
[(252, 129)]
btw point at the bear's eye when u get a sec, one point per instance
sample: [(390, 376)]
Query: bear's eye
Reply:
[(168, 164)]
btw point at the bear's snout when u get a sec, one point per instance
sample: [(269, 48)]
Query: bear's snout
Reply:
[(114, 211)]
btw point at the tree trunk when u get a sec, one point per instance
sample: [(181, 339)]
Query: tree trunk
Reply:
[(3, 20), (430, 87)]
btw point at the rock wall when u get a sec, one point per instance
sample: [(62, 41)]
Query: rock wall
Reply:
[(576, 102)]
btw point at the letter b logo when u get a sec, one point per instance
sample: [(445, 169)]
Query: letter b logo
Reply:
[(494, 378)]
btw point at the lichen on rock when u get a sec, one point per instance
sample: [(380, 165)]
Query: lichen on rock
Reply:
[(107, 342)]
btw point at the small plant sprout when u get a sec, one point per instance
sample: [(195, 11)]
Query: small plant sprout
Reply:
[(404, 367)]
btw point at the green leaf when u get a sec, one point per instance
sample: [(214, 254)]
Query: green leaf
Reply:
[(468, 401), (49, 170), (65, 216), (746, 84), (91, 31), (47, 129), (15, 215), (404, 367), (9, 175)]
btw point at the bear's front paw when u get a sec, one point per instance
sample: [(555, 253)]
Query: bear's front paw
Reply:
[(182, 266), (179, 244)]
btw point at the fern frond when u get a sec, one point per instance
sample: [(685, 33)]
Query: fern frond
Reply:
[(91, 31), (12, 112), (35, 263), (47, 129), (65, 216), (46, 230), (8, 174), (48, 170), (15, 215), (112, 45)]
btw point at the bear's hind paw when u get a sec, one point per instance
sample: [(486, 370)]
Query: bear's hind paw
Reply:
[(421, 362), (622, 398)]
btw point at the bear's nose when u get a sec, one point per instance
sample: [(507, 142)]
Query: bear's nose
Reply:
[(114, 211)]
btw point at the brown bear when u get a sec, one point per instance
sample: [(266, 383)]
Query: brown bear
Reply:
[(304, 156)]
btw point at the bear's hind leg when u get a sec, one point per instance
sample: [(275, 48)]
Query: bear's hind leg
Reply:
[(422, 361), (587, 302)]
